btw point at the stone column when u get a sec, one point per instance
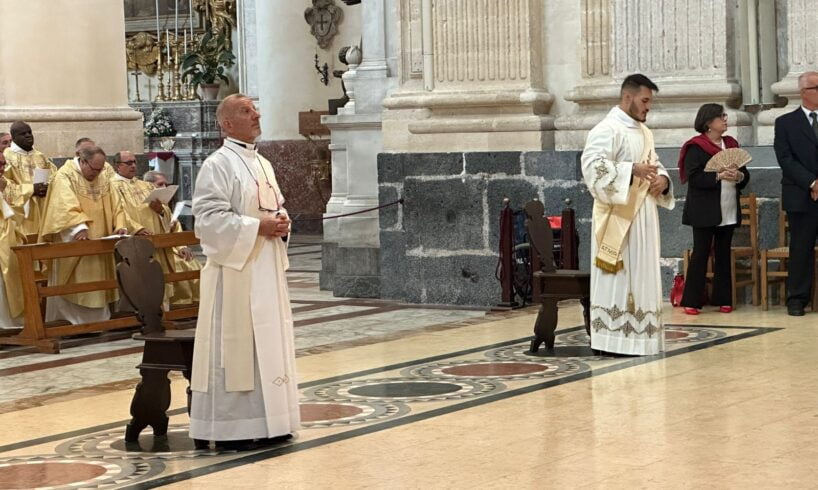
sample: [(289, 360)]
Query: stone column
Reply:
[(350, 266), (484, 88), (247, 48), (64, 72), (686, 47), (798, 53)]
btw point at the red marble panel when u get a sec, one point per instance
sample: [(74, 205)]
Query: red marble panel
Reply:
[(317, 412), (306, 195), (44, 474)]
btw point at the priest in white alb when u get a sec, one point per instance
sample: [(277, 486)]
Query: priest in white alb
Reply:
[(628, 183), (245, 392)]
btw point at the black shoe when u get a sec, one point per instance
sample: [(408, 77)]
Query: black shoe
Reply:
[(795, 310), (272, 441)]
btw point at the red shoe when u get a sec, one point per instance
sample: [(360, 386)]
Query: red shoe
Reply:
[(725, 309), (691, 311)]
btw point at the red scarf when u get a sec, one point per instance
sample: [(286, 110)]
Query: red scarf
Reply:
[(703, 142)]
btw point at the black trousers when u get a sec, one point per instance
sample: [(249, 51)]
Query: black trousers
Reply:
[(803, 230), (719, 238)]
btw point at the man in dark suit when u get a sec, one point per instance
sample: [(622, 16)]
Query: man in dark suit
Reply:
[(796, 148)]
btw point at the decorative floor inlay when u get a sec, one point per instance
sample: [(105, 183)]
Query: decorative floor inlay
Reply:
[(345, 406)]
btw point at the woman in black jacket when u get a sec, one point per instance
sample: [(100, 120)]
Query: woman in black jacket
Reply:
[(712, 208)]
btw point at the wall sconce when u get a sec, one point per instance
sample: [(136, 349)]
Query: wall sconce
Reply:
[(322, 70)]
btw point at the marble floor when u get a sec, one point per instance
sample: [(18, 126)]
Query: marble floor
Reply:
[(408, 396)]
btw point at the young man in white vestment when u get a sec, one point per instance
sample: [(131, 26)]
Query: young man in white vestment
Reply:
[(245, 392), (627, 182)]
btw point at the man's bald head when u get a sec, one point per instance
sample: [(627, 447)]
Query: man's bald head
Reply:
[(82, 143), (22, 136), (239, 118)]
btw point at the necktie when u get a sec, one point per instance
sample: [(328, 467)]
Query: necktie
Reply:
[(814, 118)]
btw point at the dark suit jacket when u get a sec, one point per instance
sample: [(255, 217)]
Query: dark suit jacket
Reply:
[(796, 149), (703, 202)]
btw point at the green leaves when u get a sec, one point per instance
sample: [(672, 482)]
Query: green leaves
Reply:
[(207, 62)]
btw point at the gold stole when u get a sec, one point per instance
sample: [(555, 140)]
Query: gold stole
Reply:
[(614, 220)]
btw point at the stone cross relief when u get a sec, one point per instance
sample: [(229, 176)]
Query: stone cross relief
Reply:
[(323, 18)]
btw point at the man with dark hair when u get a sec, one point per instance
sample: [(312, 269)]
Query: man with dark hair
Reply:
[(22, 162), (80, 207), (627, 182)]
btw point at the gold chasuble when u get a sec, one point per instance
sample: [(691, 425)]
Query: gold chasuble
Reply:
[(20, 167), (130, 194), (10, 236), (184, 292), (72, 201)]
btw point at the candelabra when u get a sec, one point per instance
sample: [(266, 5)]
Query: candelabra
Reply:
[(177, 76), (160, 74)]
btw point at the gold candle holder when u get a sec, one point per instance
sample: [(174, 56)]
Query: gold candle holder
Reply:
[(161, 75)]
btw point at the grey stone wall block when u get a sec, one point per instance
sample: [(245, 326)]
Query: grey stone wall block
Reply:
[(459, 280), (444, 214), (357, 287), (518, 191), (432, 164), (675, 237), (390, 167), (555, 199), (393, 268), (764, 182), (768, 224), (328, 263), (503, 162), (388, 216), (553, 165), (364, 261)]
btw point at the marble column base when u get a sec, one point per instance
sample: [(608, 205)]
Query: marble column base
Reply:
[(357, 273), (56, 130)]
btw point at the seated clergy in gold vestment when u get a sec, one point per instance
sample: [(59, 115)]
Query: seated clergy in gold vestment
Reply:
[(185, 292), (23, 162), (11, 292), (80, 207)]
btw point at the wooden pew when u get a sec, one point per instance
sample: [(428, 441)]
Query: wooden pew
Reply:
[(45, 336)]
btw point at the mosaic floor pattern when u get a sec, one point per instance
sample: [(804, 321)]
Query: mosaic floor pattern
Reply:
[(338, 408)]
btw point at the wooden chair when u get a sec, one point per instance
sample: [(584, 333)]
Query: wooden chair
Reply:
[(741, 277), (554, 284), (142, 282), (781, 253)]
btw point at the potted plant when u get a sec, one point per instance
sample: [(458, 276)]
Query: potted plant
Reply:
[(204, 66), (160, 126)]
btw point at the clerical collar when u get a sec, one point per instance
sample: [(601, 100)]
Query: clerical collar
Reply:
[(246, 146), (623, 117), (17, 149)]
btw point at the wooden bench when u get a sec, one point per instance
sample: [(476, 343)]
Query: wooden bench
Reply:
[(551, 284), (46, 336)]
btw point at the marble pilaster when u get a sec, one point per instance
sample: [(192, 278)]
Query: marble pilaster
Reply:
[(473, 82), (63, 72), (686, 47), (797, 53), (356, 142)]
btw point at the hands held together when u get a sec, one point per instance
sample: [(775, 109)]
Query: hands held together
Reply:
[(645, 170), (274, 226)]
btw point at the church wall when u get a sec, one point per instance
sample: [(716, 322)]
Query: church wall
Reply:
[(63, 73), (441, 246)]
